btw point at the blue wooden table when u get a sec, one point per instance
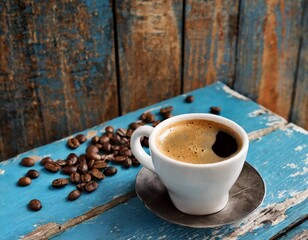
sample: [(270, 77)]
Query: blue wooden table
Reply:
[(278, 150)]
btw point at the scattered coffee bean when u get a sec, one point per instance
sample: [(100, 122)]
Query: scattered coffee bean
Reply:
[(24, 181), (165, 110), (75, 177), (115, 139), (167, 115), (93, 155), (95, 140), (69, 169), (143, 116), (98, 145), (127, 163), (155, 123), (28, 162), (129, 132), (103, 139), (119, 159), (134, 125), (81, 186), (106, 147), (121, 132), (215, 110), (149, 117), (60, 182), (82, 167), (115, 148), (35, 205), (135, 162), (100, 165), (61, 162), (73, 195), (109, 171), (91, 186), (189, 99), (81, 138), (73, 143), (92, 148), (145, 142), (97, 174), (91, 163), (109, 129), (109, 157), (71, 159), (85, 178), (33, 174), (52, 166), (46, 160), (126, 152)]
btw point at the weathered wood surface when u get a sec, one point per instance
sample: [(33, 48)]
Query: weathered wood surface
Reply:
[(57, 70), (281, 159), (268, 45), (58, 211), (300, 107), (210, 32), (149, 47)]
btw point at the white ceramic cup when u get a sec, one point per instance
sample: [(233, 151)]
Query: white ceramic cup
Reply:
[(196, 189)]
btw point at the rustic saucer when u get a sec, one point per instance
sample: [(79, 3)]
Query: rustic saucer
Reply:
[(245, 196)]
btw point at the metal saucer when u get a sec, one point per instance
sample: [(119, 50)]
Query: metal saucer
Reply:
[(245, 196)]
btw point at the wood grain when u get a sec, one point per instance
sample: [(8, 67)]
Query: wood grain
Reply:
[(299, 113), (57, 70), (268, 44), (149, 38), (210, 42)]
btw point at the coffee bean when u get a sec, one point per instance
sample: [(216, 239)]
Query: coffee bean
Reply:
[(149, 117), (91, 186), (91, 163), (167, 115), (125, 152), (81, 186), (52, 166), (35, 205), (127, 163), (143, 116), (109, 171), (82, 167), (104, 139), (71, 159), (81, 138), (215, 110), (24, 181), (134, 125), (125, 141), (95, 139), (46, 160), (69, 169), (145, 142), (155, 123), (106, 147), (95, 173), (85, 177), (129, 132), (92, 148), (73, 143), (61, 162), (165, 110), (93, 155), (73, 195), (33, 174), (115, 139), (98, 145), (119, 159), (100, 165), (109, 129), (28, 162), (60, 182), (109, 157), (121, 132), (82, 158), (115, 148), (109, 134), (75, 177), (189, 99), (135, 162)]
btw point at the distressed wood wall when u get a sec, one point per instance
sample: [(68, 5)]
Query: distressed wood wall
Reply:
[(66, 65)]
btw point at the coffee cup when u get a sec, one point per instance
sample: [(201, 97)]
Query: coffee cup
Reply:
[(198, 157)]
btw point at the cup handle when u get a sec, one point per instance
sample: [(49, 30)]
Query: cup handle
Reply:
[(144, 158)]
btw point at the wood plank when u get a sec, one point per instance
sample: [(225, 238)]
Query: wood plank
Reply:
[(14, 199), (281, 159), (57, 71), (299, 113), (149, 39), (211, 29), (268, 44)]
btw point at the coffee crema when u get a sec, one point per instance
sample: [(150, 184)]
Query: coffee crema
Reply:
[(198, 141)]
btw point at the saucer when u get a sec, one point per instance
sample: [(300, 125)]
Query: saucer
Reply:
[(245, 196)]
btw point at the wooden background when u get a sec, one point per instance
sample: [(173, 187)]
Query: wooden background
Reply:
[(67, 65)]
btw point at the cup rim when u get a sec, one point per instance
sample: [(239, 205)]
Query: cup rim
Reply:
[(206, 116)]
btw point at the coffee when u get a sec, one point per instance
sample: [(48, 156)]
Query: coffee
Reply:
[(198, 141)]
